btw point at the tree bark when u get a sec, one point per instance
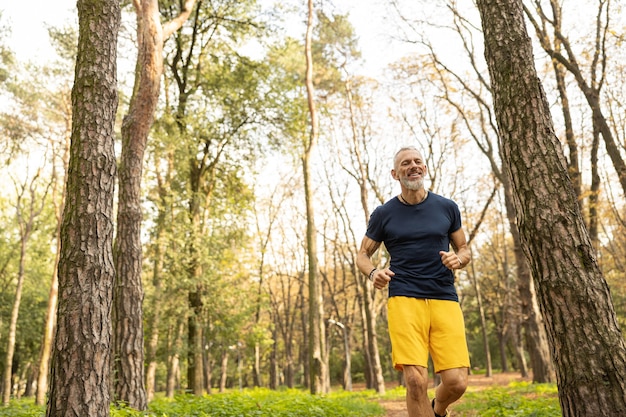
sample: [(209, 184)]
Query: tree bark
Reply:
[(532, 320), (318, 364), (81, 354), (587, 346), (483, 322), (129, 382)]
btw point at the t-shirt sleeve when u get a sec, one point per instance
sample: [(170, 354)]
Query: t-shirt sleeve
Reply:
[(456, 223), (375, 226)]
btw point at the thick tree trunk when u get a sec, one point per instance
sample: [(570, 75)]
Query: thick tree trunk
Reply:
[(81, 354), (587, 346), (129, 383), (532, 321)]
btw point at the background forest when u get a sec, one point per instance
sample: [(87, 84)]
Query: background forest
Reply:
[(225, 267)]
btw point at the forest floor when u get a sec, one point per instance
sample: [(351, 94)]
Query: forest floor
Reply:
[(397, 408)]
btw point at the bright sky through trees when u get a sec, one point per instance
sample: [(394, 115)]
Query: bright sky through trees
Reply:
[(29, 20)]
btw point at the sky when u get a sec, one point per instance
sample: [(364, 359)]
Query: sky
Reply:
[(29, 19)]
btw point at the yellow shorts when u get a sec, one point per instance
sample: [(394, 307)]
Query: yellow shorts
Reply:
[(418, 327)]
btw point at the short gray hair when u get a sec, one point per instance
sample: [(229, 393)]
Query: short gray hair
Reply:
[(402, 149)]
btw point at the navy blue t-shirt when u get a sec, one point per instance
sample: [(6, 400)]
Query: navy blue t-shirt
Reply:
[(414, 235)]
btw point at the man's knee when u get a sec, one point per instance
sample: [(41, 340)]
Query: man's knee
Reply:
[(416, 380), (455, 381)]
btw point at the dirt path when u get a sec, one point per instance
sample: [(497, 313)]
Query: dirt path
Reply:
[(476, 383)]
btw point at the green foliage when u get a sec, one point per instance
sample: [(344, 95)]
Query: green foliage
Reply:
[(516, 399), (257, 402), (263, 402)]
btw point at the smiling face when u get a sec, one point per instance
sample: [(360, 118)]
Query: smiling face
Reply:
[(409, 169)]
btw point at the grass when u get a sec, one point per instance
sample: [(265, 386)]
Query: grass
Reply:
[(248, 403), (517, 399)]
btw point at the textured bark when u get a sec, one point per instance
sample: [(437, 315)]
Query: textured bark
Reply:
[(81, 353), (588, 348), (532, 320), (128, 314)]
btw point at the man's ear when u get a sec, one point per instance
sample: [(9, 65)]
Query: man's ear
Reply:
[(393, 174)]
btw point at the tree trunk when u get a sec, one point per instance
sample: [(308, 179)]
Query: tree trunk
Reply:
[(532, 320), (155, 321), (81, 354), (223, 370), (483, 323), (594, 190), (273, 359), (195, 376), (370, 314), (318, 364), (128, 315), (175, 343), (587, 346), (8, 359), (516, 340)]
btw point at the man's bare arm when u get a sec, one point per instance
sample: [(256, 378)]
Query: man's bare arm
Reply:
[(364, 256)]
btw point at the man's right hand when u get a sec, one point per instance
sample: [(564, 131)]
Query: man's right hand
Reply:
[(381, 278)]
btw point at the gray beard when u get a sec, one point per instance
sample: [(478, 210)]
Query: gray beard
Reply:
[(413, 185)]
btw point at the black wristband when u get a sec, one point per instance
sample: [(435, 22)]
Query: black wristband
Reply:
[(372, 273)]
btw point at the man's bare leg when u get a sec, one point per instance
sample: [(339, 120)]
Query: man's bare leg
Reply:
[(453, 385), (417, 402)]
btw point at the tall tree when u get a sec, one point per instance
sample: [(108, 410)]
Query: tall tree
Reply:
[(128, 291), (62, 114), (587, 346), (81, 354), (318, 364)]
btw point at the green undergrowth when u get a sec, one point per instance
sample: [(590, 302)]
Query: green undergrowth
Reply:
[(247, 403), (517, 399)]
